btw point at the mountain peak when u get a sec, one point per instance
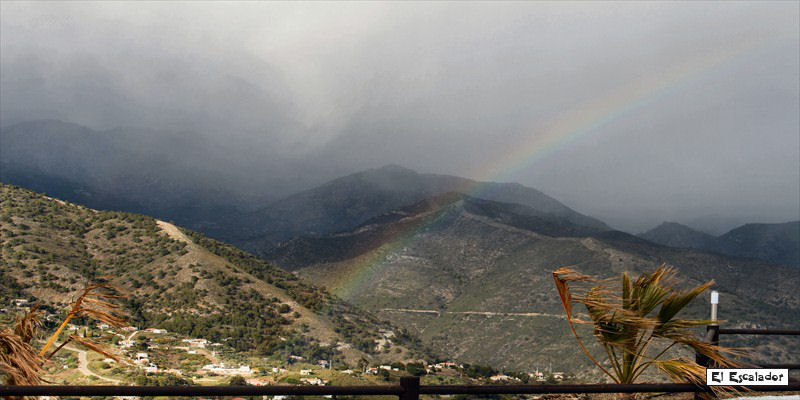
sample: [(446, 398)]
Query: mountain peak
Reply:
[(677, 235), (394, 168)]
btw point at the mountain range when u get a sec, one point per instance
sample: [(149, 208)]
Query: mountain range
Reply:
[(464, 266), (779, 243), (349, 201), (473, 277)]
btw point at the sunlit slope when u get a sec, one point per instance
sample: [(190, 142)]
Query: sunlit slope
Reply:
[(178, 280)]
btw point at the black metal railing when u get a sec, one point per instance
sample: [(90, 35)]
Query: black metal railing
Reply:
[(713, 332), (408, 389), (712, 336)]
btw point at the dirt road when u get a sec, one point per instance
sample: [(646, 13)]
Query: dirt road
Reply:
[(83, 366), (484, 313)]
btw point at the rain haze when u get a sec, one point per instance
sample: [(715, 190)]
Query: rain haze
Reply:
[(634, 113)]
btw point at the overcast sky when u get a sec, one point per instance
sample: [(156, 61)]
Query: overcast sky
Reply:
[(631, 112)]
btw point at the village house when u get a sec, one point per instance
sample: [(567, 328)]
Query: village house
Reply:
[(313, 381), (223, 370), (502, 378), (19, 302), (141, 358), (196, 342)]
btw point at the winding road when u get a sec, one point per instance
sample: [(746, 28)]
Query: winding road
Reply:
[(484, 313), (83, 366)]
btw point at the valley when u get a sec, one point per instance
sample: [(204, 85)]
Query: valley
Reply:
[(452, 275)]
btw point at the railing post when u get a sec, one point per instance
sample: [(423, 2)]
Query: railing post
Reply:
[(701, 359), (410, 385), (714, 324)]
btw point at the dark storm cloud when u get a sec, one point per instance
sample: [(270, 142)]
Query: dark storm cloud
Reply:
[(444, 87)]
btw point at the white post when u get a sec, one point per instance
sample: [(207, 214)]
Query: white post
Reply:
[(714, 303)]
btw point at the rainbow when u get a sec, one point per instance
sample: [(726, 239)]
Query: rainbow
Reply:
[(570, 126)]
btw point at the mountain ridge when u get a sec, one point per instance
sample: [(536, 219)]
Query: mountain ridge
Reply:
[(349, 201), (776, 242), (466, 278)]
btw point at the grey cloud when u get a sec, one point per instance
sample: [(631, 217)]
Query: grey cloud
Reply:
[(442, 87)]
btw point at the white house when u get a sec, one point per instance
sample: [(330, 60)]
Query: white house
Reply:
[(196, 342), (500, 378), (222, 369), (313, 381)]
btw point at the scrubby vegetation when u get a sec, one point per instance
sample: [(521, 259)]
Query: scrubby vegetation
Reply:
[(193, 285)]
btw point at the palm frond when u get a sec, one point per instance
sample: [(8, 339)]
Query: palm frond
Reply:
[(18, 360), (95, 347), (25, 327), (628, 325)]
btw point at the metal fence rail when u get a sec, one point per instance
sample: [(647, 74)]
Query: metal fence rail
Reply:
[(714, 330), (712, 336), (746, 331), (409, 389)]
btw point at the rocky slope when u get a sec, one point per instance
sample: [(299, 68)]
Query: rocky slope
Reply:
[(473, 278)]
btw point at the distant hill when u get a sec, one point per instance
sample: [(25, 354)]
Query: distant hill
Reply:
[(169, 175), (473, 277), (778, 243), (180, 280), (178, 176), (674, 234), (347, 202)]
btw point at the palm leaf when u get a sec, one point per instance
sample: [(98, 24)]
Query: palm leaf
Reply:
[(627, 326)]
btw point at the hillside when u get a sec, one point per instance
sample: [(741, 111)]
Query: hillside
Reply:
[(773, 242), (350, 201), (188, 178), (473, 278), (181, 281), (676, 235), (779, 243)]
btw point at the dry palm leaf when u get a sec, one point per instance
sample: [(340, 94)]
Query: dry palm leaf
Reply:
[(20, 364), (627, 326)]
